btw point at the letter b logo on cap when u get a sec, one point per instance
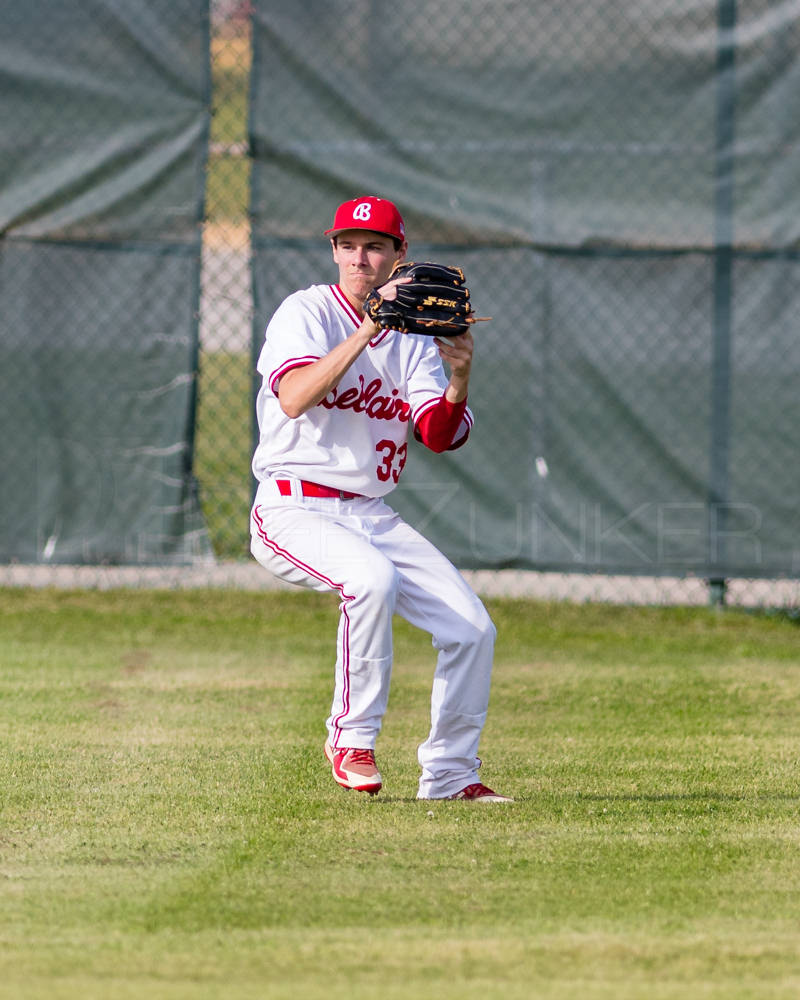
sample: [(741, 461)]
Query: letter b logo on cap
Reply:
[(362, 211)]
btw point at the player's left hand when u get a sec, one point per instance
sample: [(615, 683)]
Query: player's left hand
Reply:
[(457, 352)]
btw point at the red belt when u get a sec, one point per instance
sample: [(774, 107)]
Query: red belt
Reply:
[(314, 490)]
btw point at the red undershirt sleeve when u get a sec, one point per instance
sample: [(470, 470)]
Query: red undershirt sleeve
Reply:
[(437, 427)]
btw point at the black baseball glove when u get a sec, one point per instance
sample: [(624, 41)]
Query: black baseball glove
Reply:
[(435, 302)]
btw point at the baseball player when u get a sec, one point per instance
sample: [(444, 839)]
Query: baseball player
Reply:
[(337, 401)]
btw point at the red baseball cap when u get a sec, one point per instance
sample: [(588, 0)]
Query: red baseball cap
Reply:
[(368, 212)]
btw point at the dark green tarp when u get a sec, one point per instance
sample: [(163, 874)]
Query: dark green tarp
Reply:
[(621, 183), (103, 141)]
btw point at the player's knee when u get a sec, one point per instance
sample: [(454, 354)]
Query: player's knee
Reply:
[(485, 632), (384, 582), (377, 583), (478, 633)]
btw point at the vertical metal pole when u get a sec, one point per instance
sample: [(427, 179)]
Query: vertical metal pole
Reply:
[(719, 478), (256, 326)]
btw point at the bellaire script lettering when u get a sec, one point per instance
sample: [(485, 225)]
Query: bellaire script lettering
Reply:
[(366, 398)]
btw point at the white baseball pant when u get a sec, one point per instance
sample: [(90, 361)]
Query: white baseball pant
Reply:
[(379, 566)]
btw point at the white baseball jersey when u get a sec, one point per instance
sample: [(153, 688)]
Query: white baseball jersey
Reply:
[(356, 438)]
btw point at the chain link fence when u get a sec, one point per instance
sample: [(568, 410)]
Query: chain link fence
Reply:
[(225, 411), (636, 435)]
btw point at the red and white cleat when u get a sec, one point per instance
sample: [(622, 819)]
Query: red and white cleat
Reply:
[(479, 793), (354, 768)]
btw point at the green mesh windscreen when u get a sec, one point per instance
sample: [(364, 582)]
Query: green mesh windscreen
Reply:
[(621, 184), (103, 137)]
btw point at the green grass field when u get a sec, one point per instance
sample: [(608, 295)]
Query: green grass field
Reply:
[(169, 828)]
